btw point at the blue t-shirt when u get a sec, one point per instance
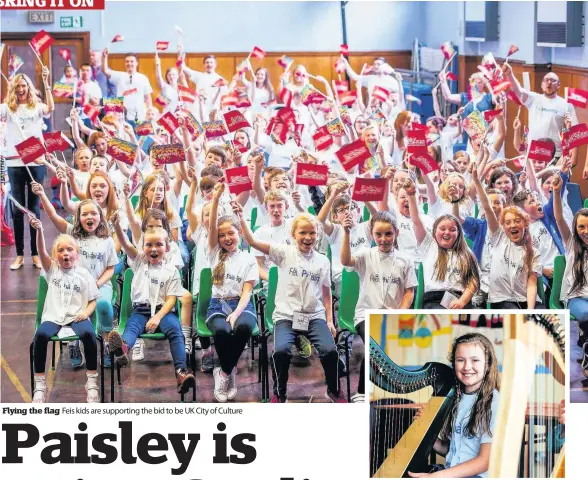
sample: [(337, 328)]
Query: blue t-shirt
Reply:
[(466, 447)]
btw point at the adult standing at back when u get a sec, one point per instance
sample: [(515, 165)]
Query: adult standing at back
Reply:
[(547, 110), (23, 114), (132, 85), (381, 75), (205, 83), (98, 75)]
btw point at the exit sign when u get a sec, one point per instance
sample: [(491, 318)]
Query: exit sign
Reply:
[(70, 22), (41, 17)]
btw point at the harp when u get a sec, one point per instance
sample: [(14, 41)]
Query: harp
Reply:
[(528, 412), (398, 444)]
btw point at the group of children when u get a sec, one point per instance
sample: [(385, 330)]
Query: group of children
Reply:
[(479, 233)]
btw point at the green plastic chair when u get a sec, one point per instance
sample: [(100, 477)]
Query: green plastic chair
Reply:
[(559, 267), (268, 328), (42, 295), (135, 201), (425, 208), (541, 290), (470, 243), (366, 214), (347, 304), (476, 211), (312, 210), (586, 203), (420, 291), (126, 308), (253, 217)]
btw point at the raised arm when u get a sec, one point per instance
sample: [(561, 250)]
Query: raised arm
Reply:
[(516, 86), (47, 109), (562, 225), (134, 222), (125, 243), (41, 249), (219, 188), (501, 132), (347, 259), (323, 215), (436, 107), (420, 231), (516, 140), (257, 181), (447, 95), (107, 71), (59, 222), (193, 219), (160, 81), (493, 224), (263, 247), (75, 128), (66, 201)]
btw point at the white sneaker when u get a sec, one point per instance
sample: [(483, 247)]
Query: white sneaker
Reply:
[(92, 391), (40, 391), (358, 398), (139, 350), (232, 391), (221, 384)]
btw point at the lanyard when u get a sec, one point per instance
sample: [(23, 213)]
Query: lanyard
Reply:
[(385, 288), (62, 291), (153, 303), (303, 288)]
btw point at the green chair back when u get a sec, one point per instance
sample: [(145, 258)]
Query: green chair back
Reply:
[(420, 291), (541, 290), (135, 201), (425, 208), (204, 295), (470, 243), (366, 214), (476, 211), (348, 301), (311, 210), (586, 203), (253, 217), (42, 294), (559, 267), (270, 304)]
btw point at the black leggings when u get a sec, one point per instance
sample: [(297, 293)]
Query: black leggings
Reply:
[(511, 305), (361, 385), (229, 342)]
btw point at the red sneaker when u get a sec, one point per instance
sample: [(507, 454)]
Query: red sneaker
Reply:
[(336, 397)]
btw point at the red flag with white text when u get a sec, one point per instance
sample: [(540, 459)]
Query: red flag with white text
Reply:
[(238, 180), (577, 97), (41, 42), (311, 174), (369, 189), (30, 150), (540, 150), (235, 121), (353, 154), (169, 122), (322, 138)]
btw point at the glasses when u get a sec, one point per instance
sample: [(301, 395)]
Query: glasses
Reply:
[(550, 80), (346, 209), (299, 75)]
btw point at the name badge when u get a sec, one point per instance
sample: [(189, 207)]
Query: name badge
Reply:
[(300, 322), (225, 307)]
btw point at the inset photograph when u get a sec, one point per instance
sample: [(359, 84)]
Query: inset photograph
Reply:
[(578, 362), (467, 395)]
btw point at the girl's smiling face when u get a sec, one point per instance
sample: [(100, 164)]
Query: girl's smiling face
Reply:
[(514, 227), (305, 236), (89, 217), (384, 235), (582, 228), (470, 365), (228, 237), (504, 183), (99, 190), (399, 178), (446, 234), (455, 187)]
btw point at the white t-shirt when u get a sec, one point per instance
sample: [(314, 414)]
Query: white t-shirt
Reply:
[(383, 279), (96, 254), (68, 292), (81, 179), (205, 81), (170, 94), (385, 81), (200, 238), (31, 123), (300, 281), (543, 243), (359, 237), (486, 262), (568, 278), (407, 242), (464, 447), (508, 274), (89, 90), (137, 86), (240, 267), (546, 117), (442, 207), (282, 234), (153, 283), (174, 256), (430, 253)]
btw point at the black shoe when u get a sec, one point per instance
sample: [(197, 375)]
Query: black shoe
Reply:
[(186, 380)]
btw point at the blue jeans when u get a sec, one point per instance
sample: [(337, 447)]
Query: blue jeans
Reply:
[(230, 342), (104, 310), (320, 336), (579, 308), (46, 330), (19, 180), (169, 326)]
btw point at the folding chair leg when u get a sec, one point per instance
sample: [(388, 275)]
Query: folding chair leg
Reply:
[(53, 357), (348, 368), (118, 373), (31, 366), (111, 377), (101, 341)]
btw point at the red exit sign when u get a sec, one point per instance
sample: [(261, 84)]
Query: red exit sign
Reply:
[(52, 4)]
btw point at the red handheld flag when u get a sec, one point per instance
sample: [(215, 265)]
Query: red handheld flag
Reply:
[(512, 50), (353, 154), (117, 38), (576, 136), (235, 121), (238, 180), (322, 138), (341, 86), (447, 50), (286, 115), (168, 154), (221, 82), (416, 141), (122, 150), (186, 94), (339, 65), (286, 96), (451, 76), (539, 150), (513, 96), (53, 141), (348, 98), (518, 161), (161, 100), (311, 174), (41, 42), (161, 46), (380, 93), (144, 129), (344, 50), (214, 129), (30, 150), (499, 86), (369, 189), (424, 162), (65, 54), (577, 97), (229, 100), (92, 112), (490, 115), (258, 53), (419, 126), (169, 122)]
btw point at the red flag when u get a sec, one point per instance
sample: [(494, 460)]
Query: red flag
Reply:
[(229, 100), (193, 125), (41, 42), (169, 122), (168, 154), (122, 150), (339, 65), (30, 150), (540, 150), (257, 53), (419, 126), (92, 112), (322, 138), (341, 86), (311, 174), (451, 76), (235, 121), (117, 38), (286, 115), (65, 54), (518, 161), (447, 50), (512, 50), (284, 61), (486, 72), (348, 98), (513, 96), (353, 154), (238, 180), (56, 142), (161, 46), (186, 94), (221, 82), (144, 129), (424, 162), (278, 131), (214, 129), (369, 189), (380, 93), (286, 97), (344, 50), (576, 136), (499, 86), (416, 141), (490, 115), (161, 100), (243, 101), (577, 97)]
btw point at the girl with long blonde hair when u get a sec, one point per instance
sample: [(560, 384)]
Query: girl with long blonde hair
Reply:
[(23, 115)]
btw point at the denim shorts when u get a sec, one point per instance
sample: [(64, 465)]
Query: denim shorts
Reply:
[(215, 307)]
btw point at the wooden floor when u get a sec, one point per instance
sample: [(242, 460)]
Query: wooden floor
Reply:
[(151, 380), (578, 382)]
